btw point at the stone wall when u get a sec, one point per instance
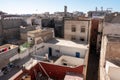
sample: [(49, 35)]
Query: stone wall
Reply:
[(12, 33), (9, 28)]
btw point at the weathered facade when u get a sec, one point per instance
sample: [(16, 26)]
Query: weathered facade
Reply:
[(40, 35), (24, 30), (111, 28), (34, 20), (9, 28), (99, 32), (77, 29), (109, 66), (112, 47)]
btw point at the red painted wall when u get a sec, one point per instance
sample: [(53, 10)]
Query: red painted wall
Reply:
[(58, 72), (54, 71)]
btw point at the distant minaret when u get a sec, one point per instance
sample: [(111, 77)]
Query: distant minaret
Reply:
[(65, 11), (96, 9), (101, 8)]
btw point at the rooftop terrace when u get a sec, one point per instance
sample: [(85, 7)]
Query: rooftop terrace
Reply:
[(68, 43)]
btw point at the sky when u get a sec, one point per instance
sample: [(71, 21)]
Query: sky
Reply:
[(41, 6)]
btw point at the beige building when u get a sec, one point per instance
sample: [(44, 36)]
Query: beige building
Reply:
[(7, 51), (110, 58), (24, 30), (110, 48), (77, 29), (110, 52), (40, 35), (111, 28)]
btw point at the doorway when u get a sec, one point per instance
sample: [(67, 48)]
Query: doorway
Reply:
[(50, 52), (77, 54)]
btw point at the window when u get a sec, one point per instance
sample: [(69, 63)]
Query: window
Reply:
[(65, 64), (73, 38), (77, 54), (82, 29), (82, 39), (99, 42), (31, 38), (73, 28), (57, 51)]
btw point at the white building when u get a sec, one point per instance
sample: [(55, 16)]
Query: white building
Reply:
[(109, 72), (59, 47)]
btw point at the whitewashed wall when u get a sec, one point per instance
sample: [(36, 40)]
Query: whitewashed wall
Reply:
[(114, 73), (43, 48), (71, 51), (70, 60)]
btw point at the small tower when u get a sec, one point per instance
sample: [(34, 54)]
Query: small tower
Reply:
[(65, 11), (101, 8), (96, 9)]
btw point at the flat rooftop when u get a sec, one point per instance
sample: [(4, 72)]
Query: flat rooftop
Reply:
[(63, 60), (69, 61), (40, 30), (68, 43), (35, 31)]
